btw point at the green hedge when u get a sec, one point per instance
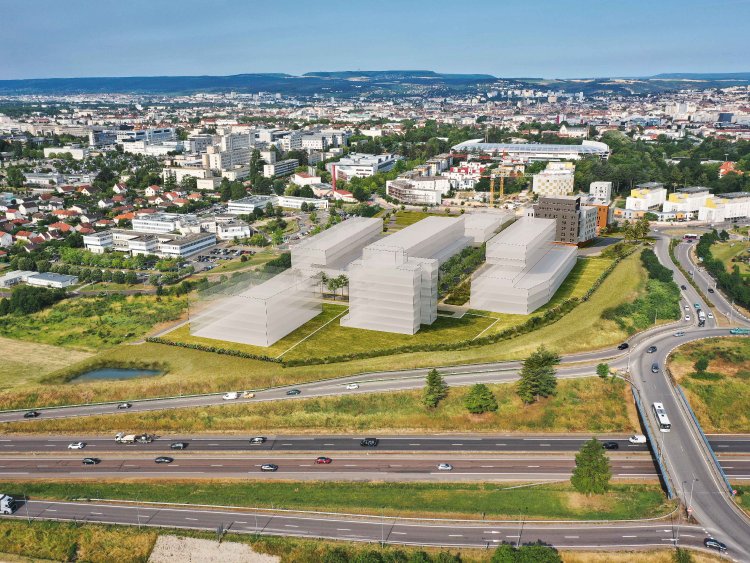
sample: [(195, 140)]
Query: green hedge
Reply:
[(214, 349)]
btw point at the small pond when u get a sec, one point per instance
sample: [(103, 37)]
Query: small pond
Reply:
[(114, 374)]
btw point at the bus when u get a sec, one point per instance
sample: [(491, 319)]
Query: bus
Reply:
[(690, 237), (661, 417)]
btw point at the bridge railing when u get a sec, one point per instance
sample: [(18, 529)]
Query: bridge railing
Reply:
[(654, 444), (705, 440)]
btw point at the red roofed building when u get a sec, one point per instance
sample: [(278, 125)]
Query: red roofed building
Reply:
[(60, 226), (729, 168)]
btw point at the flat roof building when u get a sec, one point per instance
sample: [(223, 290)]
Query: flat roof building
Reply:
[(535, 151)]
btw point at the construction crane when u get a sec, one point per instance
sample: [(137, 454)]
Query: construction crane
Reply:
[(503, 174)]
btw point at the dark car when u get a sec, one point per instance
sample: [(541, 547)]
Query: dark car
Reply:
[(323, 460), (654, 368), (164, 459), (683, 288), (369, 442), (90, 460), (610, 445), (710, 289), (623, 346), (711, 543), (293, 392), (124, 405), (269, 467), (178, 445), (651, 349), (258, 440), (31, 414)]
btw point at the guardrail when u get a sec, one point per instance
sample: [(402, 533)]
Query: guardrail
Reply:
[(653, 443), (705, 441)]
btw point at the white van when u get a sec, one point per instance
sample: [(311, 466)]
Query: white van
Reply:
[(231, 396), (637, 439)]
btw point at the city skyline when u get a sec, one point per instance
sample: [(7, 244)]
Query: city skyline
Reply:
[(541, 39)]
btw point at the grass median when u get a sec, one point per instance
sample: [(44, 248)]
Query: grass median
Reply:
[(720, 393), (581, 405), (465, 500)]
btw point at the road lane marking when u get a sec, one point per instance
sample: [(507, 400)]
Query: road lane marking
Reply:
[(216, 465), (501, 444), (290, 526), (398, 533), (572, 537), (629, 536), (533, 466), (456, 444), (186, 518), (540, 445), (239, 522), (455, 535), (343, 529)]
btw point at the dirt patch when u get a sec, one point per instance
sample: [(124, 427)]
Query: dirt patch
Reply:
[(581, 502), (656, 556), (176, 549)]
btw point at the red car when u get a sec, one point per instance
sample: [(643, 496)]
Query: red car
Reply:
[(323, 460)]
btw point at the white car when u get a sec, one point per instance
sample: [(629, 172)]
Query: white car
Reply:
[(637, 439), (445, 467), (353, 386), (687, 307), (77, 446), (687, 317), (710, 315), (231, 396)]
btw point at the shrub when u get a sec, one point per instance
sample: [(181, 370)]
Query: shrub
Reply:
[(480, 399)]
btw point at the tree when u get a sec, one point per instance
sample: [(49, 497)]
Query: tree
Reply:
[(592, 471), (533, 553), (724, 235), (701, 364), (14, 177), (602, 370), (538, 375), (480, 399), (435, 389), (131, 278)]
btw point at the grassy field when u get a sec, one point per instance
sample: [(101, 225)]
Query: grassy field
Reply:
[(23, 363), (93, 323), (257, 259), (192, 371), (725, 251), (556, 501), (581, 405), (58, 541), (743, 497), (111, 286), (720, 396)]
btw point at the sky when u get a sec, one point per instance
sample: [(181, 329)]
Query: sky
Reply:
[(519, 38)]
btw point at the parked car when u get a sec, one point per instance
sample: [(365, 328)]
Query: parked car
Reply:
[(164, 459), (711, 543), (258, 440), (445, 467), (269, 467), (293, 392), (324, 460), (623, 346), (654, 368), (232, 395), (369, 442), (31, 414), (124, 405), (610, 445), (637, 439), (178, 445), (353, 386), (77, 446), (651, 350), (90, 460)]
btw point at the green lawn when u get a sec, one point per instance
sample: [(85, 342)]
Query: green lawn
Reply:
[(406, 218), (558, 501), (93, 323), (720, 396), (24, 363), (725, 251), (581, 405), (110, 286)]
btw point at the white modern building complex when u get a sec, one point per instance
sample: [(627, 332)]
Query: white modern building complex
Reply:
[(555, 180), (166, 245), (419, 190), (393, 288), (280, 168), (687, 200), (646, 196), (601, 191), (524, 268), (535, 151), (725, 207), (362, 165)]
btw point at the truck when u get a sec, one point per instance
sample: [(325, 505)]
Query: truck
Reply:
[(701, 317), (7, 504), (122, 438)]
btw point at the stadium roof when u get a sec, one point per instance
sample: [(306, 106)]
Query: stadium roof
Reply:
[(587, 148)]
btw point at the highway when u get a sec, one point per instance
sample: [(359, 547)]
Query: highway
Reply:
[(342, 468), (446, 533), (455, 443)]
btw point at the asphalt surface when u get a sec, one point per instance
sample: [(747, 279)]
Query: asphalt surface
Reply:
[(321, 444), (341, 468), (454, 533)]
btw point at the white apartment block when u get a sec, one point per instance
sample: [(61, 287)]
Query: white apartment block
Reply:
[(226, 228), (149, 135), (161, 223), (725, 207), (646, 196), (152, 149), (198, 143), (135, 243), (362, 165), (601, 191), (393, 288), (179, 173), (280, 168), (419, 190), (556, 180), (99, 242), (294, 202), (687, 200), (587, 223), (524, 268)]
